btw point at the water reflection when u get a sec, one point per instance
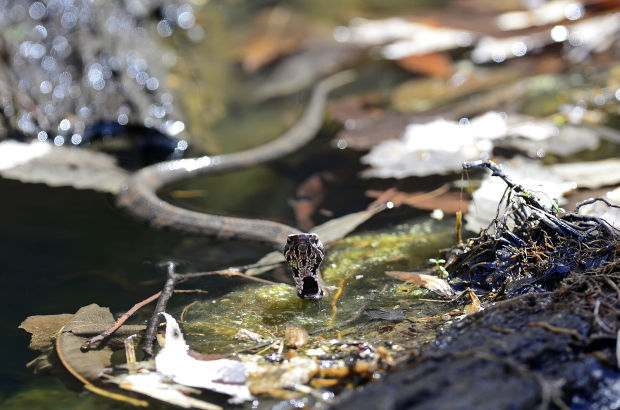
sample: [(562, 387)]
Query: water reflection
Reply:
[(74, 59)]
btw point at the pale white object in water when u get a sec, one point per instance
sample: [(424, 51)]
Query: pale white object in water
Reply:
[(155, 385), (402, 38), (223, 375), (40, 162), (546, 13), (437, 147), (14, 153)]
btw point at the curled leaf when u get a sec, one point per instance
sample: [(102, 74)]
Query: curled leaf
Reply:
[(474, 306), (432, 283)]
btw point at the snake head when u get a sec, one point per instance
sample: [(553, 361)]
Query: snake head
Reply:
[(304, 253)]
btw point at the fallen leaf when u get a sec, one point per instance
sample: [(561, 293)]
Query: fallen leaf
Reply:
[(310, 195), (366, 122), (276, 33), (433, 64), (432, 283), (589, 174), (296, 336), (474, 306), (43, 329), (400, 37), (604, 211), (89, 321), (440, 198), (423, 95)]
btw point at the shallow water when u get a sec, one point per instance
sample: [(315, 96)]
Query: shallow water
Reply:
[(62, 248)]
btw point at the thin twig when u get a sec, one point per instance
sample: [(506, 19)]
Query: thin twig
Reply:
[(557, 329), (224, 272), (593, 200), (119, 322), (162, 302), (125, 316)]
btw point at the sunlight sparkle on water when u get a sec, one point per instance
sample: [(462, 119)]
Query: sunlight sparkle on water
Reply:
[(559, 33)]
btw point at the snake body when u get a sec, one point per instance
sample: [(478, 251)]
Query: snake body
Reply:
[(303, 252), (138, 195)]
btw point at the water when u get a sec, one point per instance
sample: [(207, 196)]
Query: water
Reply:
[(61, 248)]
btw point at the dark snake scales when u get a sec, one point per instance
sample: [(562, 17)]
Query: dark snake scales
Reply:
[(138, 195)]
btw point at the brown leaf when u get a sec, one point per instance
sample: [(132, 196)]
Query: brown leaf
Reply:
[(310, 195), (433, 64), (275, 34), (43, 329), (366, 121), (432, 283), (70, 331), (449, 202), (296, 336), (90, 364), (474, 306)]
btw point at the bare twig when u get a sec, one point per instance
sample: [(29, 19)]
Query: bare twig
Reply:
[(556, 329), (162, 302), (119, 322), (230, 272)]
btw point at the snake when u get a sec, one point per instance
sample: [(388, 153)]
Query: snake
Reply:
[(303, 252)]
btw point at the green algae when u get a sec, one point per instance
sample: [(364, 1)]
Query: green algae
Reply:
[(354, 269), (374, 253)]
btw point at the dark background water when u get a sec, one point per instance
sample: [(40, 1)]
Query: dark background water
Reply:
[(63, 248)]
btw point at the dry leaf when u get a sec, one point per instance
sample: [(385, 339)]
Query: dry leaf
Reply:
[(296, 336), (310, 195), (433, 64), (432, 283), (440, 198), (276, 33), (43, 329), (74, 330), (39, 162), (474, 306), (87, 322)]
